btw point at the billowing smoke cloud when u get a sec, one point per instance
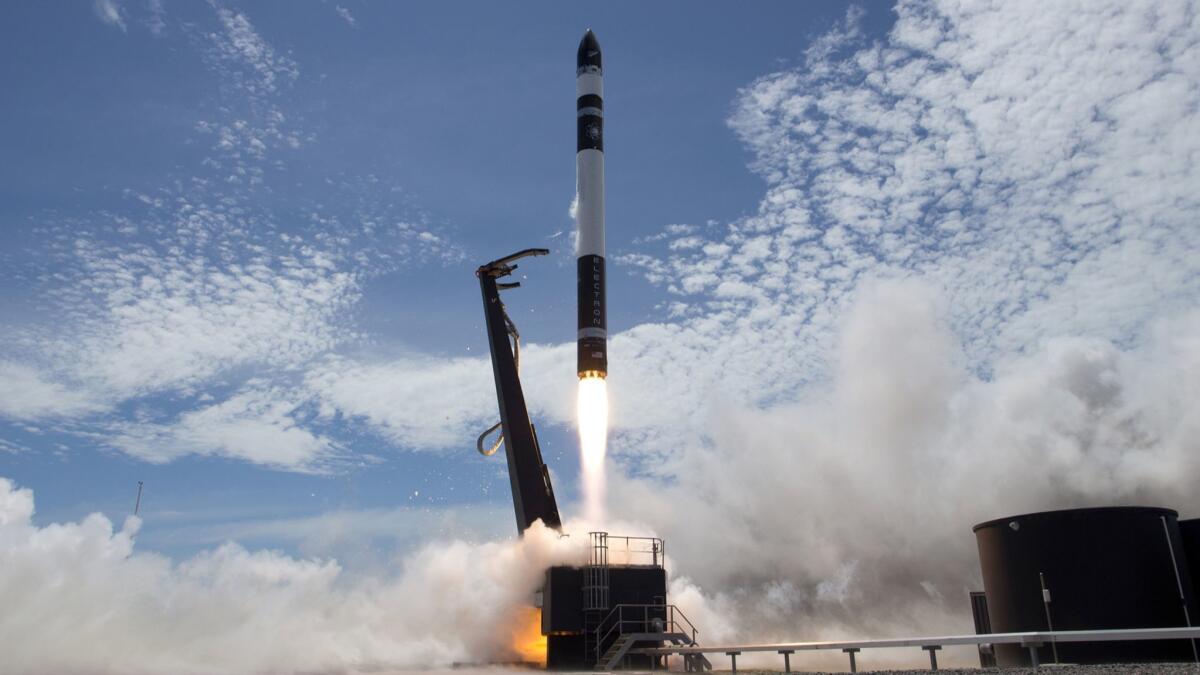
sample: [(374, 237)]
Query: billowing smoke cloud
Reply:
[(850, 514), (78, 597)]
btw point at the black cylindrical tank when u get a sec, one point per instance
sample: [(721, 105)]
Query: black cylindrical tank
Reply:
[(1112, 567), (1190, 531)]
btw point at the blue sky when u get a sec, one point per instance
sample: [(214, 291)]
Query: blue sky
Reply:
[(872, 264), (409, 113)]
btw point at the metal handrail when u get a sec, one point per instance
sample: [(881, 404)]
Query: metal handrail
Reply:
[(657, 550), (674, 621), (1030, 640)]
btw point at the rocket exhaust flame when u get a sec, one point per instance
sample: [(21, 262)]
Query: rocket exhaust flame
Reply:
[(527, 639), (593, 443)]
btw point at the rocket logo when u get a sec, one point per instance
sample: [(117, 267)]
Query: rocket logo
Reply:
[(593, 132)]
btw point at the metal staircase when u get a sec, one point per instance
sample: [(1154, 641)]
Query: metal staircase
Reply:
[(630, 626), (616, 651)]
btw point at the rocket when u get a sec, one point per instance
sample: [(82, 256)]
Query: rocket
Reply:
[(592, 339)]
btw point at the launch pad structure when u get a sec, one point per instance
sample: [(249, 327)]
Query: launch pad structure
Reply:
[(594, 613)]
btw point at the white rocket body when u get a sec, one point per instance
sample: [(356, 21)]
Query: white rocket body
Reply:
[(589, 211)]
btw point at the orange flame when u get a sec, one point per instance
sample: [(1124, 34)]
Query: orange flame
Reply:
[(527, 639)]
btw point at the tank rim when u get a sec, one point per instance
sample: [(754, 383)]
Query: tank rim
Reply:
[(1159, 510)]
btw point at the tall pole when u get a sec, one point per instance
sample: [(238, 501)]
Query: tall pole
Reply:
[(1049, 624), (1187, 617)]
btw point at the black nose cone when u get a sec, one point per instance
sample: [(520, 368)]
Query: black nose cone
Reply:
[(589, 51)]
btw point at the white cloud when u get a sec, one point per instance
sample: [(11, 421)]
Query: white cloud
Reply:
[(156, 22), (418, 403), (216, 300), (962, 150), (426, 404), (145, 319), (259, 424), (253, 123), (110, 12), (195, 286), (255, 65), (26, 393), (346, 16)]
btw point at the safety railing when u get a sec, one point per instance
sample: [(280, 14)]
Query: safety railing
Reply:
[(1030, 641), (635, 551), (633, 618)]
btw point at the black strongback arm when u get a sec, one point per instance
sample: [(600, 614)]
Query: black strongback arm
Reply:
[(533, 496)]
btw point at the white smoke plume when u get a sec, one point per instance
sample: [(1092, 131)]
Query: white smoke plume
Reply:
[(78, 597), (849, 515)]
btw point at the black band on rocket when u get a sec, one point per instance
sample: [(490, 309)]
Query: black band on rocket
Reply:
[(589, 133), (593, 316), (589, 101)]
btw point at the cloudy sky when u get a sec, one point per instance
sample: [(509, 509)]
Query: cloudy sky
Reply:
[(878, 272)]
